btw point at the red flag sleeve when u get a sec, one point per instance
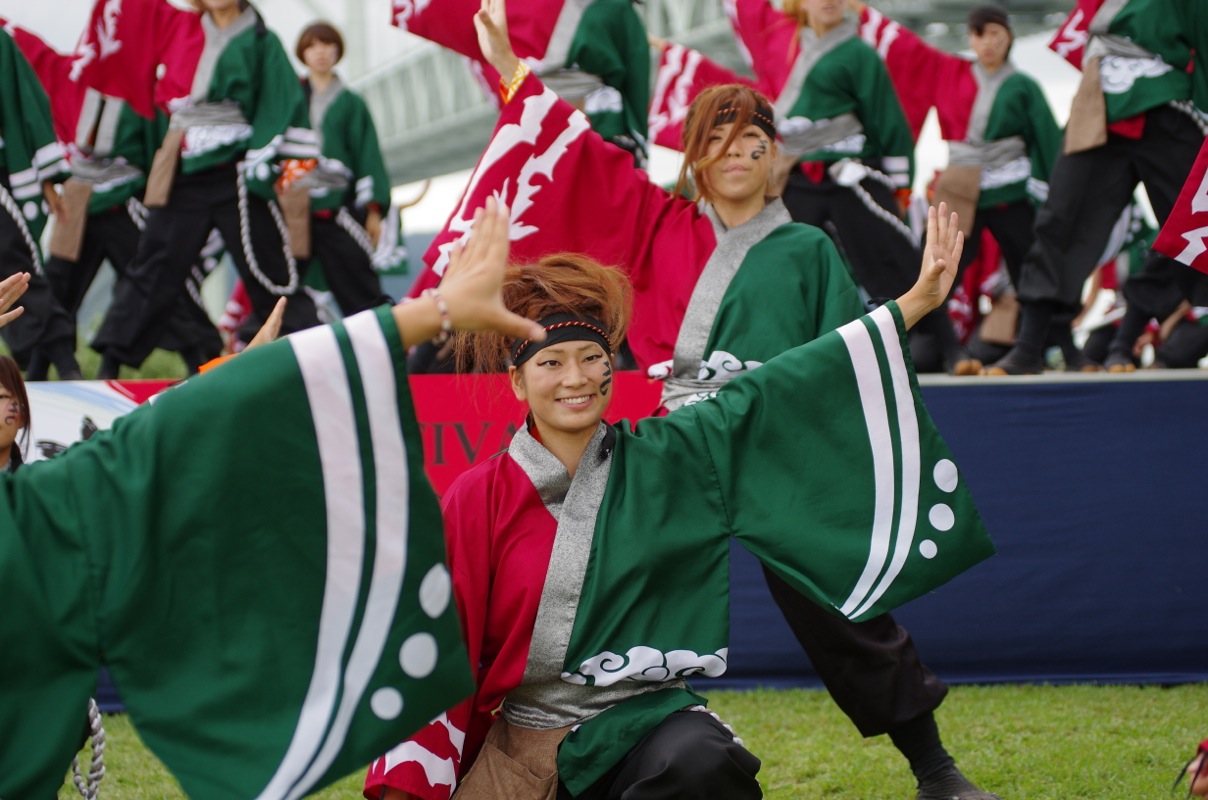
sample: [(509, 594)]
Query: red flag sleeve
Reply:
[(683, 74), (54, 73), (767, 39)]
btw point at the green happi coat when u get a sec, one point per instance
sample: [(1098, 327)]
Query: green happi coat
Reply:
[(605, 43), (348, 138), (770, 285), (245, 64), (838, 102), (1018, 110), (258, 560), (121, 136), (29, 153), (1147, 48)]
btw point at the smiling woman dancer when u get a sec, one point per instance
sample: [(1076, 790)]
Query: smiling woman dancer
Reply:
[(721, 286), (572, 552)]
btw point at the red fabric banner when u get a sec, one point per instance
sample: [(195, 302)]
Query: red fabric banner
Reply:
[(1184, 237), (54, 71)]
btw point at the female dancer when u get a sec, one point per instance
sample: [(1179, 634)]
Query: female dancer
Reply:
[(568, 603), (14, 416), (720, 287), (349, 189), (243, 111)]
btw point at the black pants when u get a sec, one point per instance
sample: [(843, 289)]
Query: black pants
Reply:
[(44, 323), (870, 668), (112, 235), (689, 756), (1087, 192), (885, 262), (346, 267), (175, 234), (1011, 225)]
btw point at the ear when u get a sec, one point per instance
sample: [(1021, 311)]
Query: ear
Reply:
[(517, 381)]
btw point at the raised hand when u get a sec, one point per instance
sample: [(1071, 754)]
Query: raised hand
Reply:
[(471, 288), (491, 23), (941, 257), (11, 289)]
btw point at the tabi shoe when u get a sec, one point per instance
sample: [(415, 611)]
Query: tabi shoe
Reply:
[(1117, 361), (1080, 363), (950, 784), (1016, 362), (961, 363)]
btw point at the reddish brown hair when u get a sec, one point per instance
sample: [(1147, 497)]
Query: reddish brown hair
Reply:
[(698, 127), (564, 283), (321, 31), (10, 378)]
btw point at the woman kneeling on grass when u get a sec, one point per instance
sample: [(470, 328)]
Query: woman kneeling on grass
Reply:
[(590, 561)]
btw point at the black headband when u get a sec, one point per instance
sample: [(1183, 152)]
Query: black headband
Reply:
[(762, 117), (561, 328)]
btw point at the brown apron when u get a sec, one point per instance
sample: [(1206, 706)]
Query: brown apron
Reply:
[(514, 764), (960, 186), (295, 207), (67, 237), (1087, 128), (163, 170), (998, 327)]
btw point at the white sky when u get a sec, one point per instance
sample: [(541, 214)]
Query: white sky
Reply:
[(60, 23)]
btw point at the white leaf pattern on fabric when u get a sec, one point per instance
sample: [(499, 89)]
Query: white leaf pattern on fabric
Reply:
[(643, 663), (205, 138), (1117, 74)]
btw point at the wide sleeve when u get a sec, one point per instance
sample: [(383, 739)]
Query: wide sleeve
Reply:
[(429, 764), (831, 472), (53, 70), (767, 40), (920, 72), (885, 122), (683, 73), (1043, 139), (369, 169), (280, 122), (611, 43), (258, 560)]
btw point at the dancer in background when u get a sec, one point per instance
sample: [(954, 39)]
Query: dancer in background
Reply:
[(31, 163), (236, 111)]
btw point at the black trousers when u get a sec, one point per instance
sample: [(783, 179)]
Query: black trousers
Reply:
[(112, 235), (1011, 225), (45, 322), (871, 668), (885, 262), (689, 756), (346, 267), (1087, 192), (175, 234)]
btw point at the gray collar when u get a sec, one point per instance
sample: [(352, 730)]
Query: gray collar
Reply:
[(813, 48), (216, 41)]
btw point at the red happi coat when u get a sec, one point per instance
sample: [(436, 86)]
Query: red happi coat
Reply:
[(495, 524)]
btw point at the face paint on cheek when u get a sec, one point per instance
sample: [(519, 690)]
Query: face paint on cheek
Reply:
[(607, 382), (760, 151)]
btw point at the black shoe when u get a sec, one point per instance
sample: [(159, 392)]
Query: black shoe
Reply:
[(1017, 361), (950, 784), (109, 370)]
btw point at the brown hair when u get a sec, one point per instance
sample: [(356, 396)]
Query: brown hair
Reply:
[(321, 31), (10, 378), (563, 283), (741, 102)]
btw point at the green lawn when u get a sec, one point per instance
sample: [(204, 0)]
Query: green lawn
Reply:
[(1023, 742)]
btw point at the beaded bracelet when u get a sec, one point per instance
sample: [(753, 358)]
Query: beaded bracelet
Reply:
[(508, 90), (446, 325)]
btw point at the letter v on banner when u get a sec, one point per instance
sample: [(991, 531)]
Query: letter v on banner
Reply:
[(1184, 237)]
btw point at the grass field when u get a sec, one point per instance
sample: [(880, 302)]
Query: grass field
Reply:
[(1023, 742)]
